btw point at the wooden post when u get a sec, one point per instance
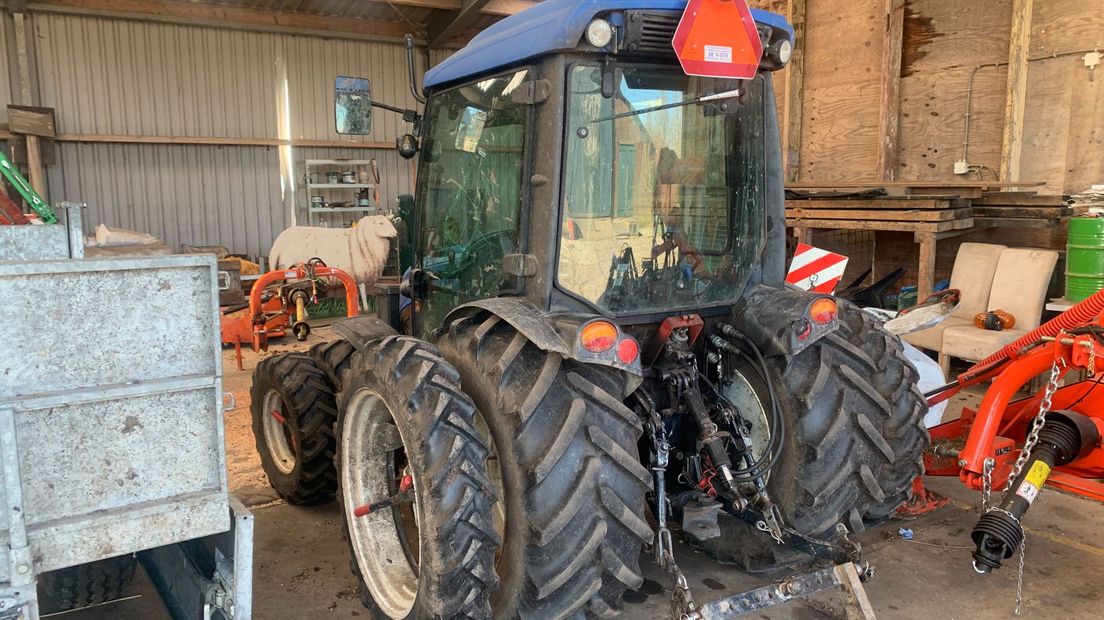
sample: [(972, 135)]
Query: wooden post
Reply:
[(891, 89), (1016, 97), (795, 92), (926, 266), (34, 165)]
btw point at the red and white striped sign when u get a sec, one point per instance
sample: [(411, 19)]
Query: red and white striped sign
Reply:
[(817, 270)]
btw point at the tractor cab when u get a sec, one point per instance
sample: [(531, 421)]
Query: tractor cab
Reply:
[(567, 158)]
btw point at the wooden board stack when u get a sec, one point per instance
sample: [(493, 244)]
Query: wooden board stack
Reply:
[(922, 207)]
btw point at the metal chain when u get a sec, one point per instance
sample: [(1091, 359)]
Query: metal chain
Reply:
[(1036, 424), (1025, 454), (986, 484)]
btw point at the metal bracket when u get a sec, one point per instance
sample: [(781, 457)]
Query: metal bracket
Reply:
[(19, 598), (532, 92)]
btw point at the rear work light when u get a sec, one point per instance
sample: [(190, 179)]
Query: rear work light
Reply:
[(598, 337), (823, 311)]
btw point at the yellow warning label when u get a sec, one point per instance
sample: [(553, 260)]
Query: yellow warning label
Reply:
[(1038, 474)]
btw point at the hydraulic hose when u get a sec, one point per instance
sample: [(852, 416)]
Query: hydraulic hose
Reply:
[(1084, 312)]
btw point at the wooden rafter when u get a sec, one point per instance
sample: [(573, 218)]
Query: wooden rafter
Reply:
[(448, 25)]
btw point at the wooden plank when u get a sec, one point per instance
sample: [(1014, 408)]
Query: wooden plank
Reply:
[(960, 192), (795, 91), (1016, 97), (932, 227), (1036, 212), (933, 215), (875, 203), (1010, 222), (840, 185), (889, 128), (1020, 200)]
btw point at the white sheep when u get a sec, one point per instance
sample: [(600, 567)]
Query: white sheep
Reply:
[(360, 251)]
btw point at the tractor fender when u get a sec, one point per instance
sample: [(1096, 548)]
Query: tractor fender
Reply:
[(773, 318), (549, 331), (361, 330)]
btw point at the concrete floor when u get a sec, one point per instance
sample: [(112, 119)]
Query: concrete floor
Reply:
[(302, 570)]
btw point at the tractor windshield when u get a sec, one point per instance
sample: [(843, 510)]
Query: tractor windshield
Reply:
[(662, 202)]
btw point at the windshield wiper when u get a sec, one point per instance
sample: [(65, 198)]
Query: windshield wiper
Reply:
[(728, 94)]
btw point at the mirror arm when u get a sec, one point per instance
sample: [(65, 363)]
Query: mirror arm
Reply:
[(409, 41)]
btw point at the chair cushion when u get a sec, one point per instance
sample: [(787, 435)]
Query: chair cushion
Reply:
[(932, 338), (973, 272), (975, 344), (1020, 284)]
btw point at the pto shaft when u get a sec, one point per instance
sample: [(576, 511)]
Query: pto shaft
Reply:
[(1066, 437)]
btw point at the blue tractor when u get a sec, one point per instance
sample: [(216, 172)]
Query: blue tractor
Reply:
[(598, 341)]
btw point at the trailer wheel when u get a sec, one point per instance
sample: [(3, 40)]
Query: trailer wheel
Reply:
[(431, 555), (854, 429), (574, 488), (294, 408), (89, 584)]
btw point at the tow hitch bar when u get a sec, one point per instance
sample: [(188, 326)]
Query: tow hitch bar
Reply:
[(845, 576)]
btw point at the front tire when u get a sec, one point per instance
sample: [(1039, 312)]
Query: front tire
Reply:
[(574, 488), (293, 407), (402, 413)]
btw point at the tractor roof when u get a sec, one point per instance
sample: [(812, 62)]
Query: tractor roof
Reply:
[(548, 26)]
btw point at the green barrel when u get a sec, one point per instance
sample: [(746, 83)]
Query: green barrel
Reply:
[(1084, 257)]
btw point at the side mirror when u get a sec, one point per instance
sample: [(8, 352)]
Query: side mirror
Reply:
[(407, 145), (353, 106)]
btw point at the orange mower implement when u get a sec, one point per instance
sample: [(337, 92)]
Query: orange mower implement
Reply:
[(279, 299)]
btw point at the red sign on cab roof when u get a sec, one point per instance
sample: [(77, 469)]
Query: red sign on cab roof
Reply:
[(718, 38)]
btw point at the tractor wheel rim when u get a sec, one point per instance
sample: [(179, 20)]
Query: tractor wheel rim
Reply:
[(277, 432), (365, 470), (741, 394)]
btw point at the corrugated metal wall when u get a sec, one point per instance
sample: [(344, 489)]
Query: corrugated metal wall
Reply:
[(120, 77)]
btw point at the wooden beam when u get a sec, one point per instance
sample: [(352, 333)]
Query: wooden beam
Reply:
[(448, 5), (795, 87), (448, 25), (1015, 99), (890, 126), (505, 8), (225, 16), (218, 141)]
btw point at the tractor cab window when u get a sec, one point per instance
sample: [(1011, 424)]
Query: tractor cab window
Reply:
[(663, 188), (470, 191)]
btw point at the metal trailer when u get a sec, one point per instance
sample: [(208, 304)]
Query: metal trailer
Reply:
[(111, 429)]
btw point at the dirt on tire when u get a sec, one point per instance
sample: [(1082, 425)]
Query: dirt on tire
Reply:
[(573, 483)]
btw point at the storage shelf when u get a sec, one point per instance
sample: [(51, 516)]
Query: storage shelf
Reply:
[(340, 186)]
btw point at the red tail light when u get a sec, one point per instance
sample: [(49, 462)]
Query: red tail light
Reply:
[(823, 311)]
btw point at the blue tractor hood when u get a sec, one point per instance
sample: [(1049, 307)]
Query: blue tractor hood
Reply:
[(549, 26)]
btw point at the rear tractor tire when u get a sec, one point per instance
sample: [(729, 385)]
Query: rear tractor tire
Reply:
[(564, 451), (405, 421), (854, 432), (294, 409)]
